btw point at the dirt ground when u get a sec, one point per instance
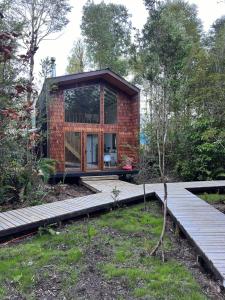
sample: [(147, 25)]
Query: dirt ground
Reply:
[(61, 192), (92, 285), (185, 253), (220, 206), (52, 193)]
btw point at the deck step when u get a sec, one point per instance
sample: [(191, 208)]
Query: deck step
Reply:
[(96, 178)]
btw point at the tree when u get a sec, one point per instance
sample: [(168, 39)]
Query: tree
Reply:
[(107, 33), (14, 112), (200, 152), (19, 167), (165, 53), (47, 67), (148, 169), (39, 18), (173, 55), (77, 60)]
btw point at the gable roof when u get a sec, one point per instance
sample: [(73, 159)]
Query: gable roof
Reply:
[(105, 74)]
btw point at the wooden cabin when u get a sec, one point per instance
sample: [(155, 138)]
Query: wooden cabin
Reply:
[(91, 121)]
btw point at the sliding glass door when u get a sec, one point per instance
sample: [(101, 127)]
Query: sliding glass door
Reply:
[(92, 151)]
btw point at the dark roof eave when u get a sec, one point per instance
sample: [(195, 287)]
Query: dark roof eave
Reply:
[(105, 74)]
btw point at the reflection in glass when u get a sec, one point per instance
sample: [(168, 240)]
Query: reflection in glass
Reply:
[(72, 150), (92, 151), (110, 106), (110, 150), (82, 104)]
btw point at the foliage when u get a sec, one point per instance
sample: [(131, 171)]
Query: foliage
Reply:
[(115, 195), (148, 169), (22, 182), (181, 68), (46, 168), (200, 152), (77, 60), (107, 32), (46, 67), (14, 110), (213, 198), (39, 19), (27, 22), (91, 232)]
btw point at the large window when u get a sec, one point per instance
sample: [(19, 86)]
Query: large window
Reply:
[(82, 104), (110, 106), (73, 150)]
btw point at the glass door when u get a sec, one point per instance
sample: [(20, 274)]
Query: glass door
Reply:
[(72, 143), (92, 151), (110, 150)]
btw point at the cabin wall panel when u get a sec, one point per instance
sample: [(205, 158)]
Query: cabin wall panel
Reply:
[(127, 128)]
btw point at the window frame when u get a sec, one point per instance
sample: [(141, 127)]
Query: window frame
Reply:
[(83, 86)]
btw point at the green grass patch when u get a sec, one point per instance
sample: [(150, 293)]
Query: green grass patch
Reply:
[(132, 220), (213, 198), (121, 255), (157, 280), (21, 264), (121, 241)]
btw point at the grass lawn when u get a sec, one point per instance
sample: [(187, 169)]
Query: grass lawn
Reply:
[(105, 257), (213, 198)]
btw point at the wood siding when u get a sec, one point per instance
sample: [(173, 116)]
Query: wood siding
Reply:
[(126, 128)]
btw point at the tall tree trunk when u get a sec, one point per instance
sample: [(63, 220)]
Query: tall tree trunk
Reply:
[(31, 77), (160, 242), (161, 137), (31, 54)]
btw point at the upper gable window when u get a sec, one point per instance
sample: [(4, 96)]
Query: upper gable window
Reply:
[(110, 106), (82, 104)]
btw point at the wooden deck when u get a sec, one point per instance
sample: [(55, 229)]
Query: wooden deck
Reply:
[(202, 224)]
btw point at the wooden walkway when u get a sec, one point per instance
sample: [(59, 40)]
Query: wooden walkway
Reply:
[(202, 224)]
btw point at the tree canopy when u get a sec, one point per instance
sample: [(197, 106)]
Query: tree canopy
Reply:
[(77, 60), (106, 29), (182, 70)]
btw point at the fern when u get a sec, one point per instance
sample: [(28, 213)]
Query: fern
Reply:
[(219, 173), (46, 168)]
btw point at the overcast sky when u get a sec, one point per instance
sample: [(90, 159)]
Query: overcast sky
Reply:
[(209, 11)]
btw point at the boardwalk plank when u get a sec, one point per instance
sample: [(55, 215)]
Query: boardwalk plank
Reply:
[(203, 224)]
